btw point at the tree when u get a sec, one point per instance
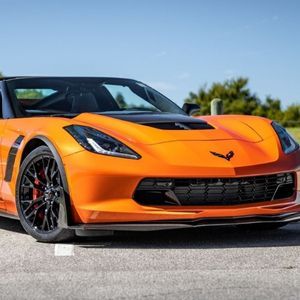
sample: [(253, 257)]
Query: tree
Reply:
[(291, 116), (238, 99), (121, 101), (32, 94)]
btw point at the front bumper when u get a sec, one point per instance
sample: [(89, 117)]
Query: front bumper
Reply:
[(102, 188)]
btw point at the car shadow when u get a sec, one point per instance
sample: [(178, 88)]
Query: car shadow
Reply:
[(200, 238), (11, 225)]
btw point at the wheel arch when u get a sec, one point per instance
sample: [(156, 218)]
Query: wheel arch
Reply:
[(65, 207)]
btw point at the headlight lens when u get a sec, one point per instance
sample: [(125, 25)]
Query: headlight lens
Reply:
[(288, 144), (98, 142)]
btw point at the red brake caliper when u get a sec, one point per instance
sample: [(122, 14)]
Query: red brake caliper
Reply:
[(38, 193)]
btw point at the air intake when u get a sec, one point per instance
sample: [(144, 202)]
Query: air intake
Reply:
[(215, 191)]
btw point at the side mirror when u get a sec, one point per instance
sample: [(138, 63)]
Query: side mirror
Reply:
[(190, 108)]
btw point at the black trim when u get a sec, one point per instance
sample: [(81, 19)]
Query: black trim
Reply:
[(203, 222), (7, 108), (150, 118), (8, 215), (215, 191), (12, 157), (1, 115)]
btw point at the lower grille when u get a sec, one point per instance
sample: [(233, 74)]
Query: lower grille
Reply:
[(214, 191)]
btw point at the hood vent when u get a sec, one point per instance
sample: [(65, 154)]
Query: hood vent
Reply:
[(165, 121), (179, 125)]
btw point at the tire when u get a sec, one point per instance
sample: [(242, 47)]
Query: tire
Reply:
[(261, 226), (39, 190)]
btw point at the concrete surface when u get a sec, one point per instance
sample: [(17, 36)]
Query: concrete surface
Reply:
[(218, 263)]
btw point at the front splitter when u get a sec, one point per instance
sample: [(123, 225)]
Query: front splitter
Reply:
[(181, 224)]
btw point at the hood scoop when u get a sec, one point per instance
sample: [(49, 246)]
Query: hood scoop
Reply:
[(152, 129), (165, 121), (179, 125)]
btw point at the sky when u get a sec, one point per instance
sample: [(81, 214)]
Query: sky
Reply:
[(174, 46)]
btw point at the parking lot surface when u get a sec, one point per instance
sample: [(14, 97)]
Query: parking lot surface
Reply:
[(216, 263)]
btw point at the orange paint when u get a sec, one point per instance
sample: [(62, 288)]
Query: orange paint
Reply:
[(102, 187)]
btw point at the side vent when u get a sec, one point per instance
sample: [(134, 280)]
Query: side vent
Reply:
[(12, 157)]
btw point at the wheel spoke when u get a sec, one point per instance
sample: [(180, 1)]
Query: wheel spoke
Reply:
[(31, 174), (31, 186), (25, 200), (32, 203), (40, 169), (45, 220), (57, 200), (34, 168), (29, 179), (46, 167), (28, 208), (37, 175), (53, 214), (32, 181), (34, 218), (54, 174), (53, 171), (35, 210), (41, 192), (51, 217)]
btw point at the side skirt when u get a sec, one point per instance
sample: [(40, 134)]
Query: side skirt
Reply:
[(8, 215)]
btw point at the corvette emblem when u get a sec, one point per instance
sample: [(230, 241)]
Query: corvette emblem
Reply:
[(228, 156)]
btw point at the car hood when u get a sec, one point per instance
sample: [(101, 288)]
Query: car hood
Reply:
[(144, 128)]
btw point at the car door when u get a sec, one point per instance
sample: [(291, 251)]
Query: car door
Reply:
[(2, 126)]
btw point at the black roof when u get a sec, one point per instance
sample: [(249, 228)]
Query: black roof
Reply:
[(92, 77), (12, 77)]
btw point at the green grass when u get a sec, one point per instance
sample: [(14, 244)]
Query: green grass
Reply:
[(295, 132)]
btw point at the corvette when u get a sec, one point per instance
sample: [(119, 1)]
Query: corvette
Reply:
[(87, 156)]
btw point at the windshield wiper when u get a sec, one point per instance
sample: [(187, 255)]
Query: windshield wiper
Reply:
[(68, 115), (128, 112), (50, 113)]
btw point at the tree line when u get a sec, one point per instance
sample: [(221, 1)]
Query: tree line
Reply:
[(238, 99)]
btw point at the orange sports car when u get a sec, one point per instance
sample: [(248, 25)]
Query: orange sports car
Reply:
[(86, 156)]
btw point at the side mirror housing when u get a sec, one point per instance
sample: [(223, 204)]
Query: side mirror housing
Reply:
[(190, 108)]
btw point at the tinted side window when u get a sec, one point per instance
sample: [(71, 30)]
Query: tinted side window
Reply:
[(29, 97)]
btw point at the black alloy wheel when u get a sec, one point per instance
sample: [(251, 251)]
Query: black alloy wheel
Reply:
[(40, 191)]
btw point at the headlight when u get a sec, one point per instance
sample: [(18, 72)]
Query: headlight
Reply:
[(98, 142), (288, 144)]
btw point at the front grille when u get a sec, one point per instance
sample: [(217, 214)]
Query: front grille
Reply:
[(214, 191)]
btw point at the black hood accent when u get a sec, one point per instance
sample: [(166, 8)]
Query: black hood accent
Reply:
[(165, 121)]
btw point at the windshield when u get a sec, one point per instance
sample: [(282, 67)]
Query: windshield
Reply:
[(55, 95)]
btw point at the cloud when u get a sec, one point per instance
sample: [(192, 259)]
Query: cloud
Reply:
[(266, 21), (161, 54), (230, 73), (184, 75)]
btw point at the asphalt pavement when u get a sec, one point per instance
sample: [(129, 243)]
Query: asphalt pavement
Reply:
[(216, 263)]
